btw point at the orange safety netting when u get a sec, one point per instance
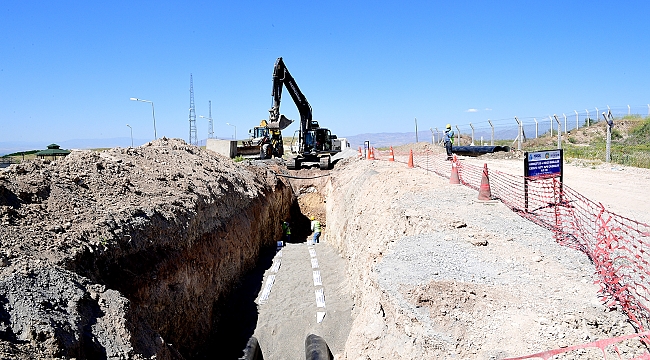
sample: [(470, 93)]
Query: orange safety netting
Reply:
[(618, 246)]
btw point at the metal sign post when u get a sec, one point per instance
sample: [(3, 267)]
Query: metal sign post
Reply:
[(540, 165)]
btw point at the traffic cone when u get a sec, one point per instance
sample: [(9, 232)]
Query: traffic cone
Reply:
[(372, 153), (411, 159), (392, 155), (484, 193), (360, 153), (454, 179)]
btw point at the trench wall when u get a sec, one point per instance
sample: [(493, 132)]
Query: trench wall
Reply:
[(129, 253), (180, 269), (363, 221)]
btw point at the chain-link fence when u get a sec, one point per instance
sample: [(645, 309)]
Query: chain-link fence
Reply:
[(582, 134)]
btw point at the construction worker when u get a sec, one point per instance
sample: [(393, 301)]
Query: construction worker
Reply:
[(449, 140), (286, 230), (315, 227)]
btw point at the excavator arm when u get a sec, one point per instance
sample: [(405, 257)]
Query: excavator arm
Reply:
[(282, 77)]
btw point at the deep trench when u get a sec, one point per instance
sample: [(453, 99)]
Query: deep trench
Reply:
[(239, 310), (199, 295)]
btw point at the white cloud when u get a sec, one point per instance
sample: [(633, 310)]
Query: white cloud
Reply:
[(488, 109), (471, 110)]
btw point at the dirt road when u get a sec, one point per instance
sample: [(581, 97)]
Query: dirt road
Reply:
[(621, 189)]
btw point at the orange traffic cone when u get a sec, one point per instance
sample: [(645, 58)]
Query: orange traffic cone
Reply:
[(360, 153), (454, 179), (372, 153), (392, 155), (484, 193), (411, 159)]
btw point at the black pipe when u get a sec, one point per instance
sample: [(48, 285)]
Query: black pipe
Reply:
[(252, 350), (478, 150), (316, 348)]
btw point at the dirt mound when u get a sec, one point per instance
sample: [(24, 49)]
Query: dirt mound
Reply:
[(129, 236), (436, 275)]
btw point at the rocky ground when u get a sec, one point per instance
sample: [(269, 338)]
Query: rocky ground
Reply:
[(108, 254)]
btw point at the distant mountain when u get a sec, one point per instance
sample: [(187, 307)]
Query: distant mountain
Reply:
[(395, 139), (388, 139)]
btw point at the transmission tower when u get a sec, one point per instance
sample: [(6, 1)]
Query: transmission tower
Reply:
[(193, 137), (210, 129)]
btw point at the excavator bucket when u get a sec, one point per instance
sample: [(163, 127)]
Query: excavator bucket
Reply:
[(281, 124)]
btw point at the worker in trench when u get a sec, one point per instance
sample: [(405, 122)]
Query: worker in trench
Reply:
[(286, 231), (449, 140), (315, 227)]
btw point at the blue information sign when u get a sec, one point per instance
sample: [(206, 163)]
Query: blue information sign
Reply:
[(543, 164)]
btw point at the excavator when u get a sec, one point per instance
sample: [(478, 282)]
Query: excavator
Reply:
[(314, 144)]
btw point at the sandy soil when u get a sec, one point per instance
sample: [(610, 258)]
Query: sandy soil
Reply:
[(435, 274)]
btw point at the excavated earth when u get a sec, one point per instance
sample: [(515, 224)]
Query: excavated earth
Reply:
[(128, 253), (434, 274), (132, 253)]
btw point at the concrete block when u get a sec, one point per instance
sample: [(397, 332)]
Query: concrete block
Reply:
[(224, 147)]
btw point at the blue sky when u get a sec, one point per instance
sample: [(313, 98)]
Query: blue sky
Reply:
[(68, 68)]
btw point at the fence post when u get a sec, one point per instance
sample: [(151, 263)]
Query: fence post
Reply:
[(563, 114), (438, 135), (588, 117), (458, 129), (559, 132), (472, 126), (648, 109), (628, 110), (536, 128), (577, 124), (551, 118), (519, 134), (596, 114), (491, 138), (608, 147)]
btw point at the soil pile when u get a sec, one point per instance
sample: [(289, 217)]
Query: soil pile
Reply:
[(436, 275), (126, 253)]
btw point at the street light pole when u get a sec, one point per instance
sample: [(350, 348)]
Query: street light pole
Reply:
[(131, 134), (153, 114), (235, 129)]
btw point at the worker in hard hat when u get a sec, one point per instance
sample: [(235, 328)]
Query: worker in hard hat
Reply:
[(449, 140), (315, 227)]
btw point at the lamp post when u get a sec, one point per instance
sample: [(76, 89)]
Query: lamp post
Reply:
[(131, 134), (153, 114), (235, 129)]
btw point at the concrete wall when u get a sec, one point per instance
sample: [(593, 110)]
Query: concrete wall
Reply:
[(223, 147)]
